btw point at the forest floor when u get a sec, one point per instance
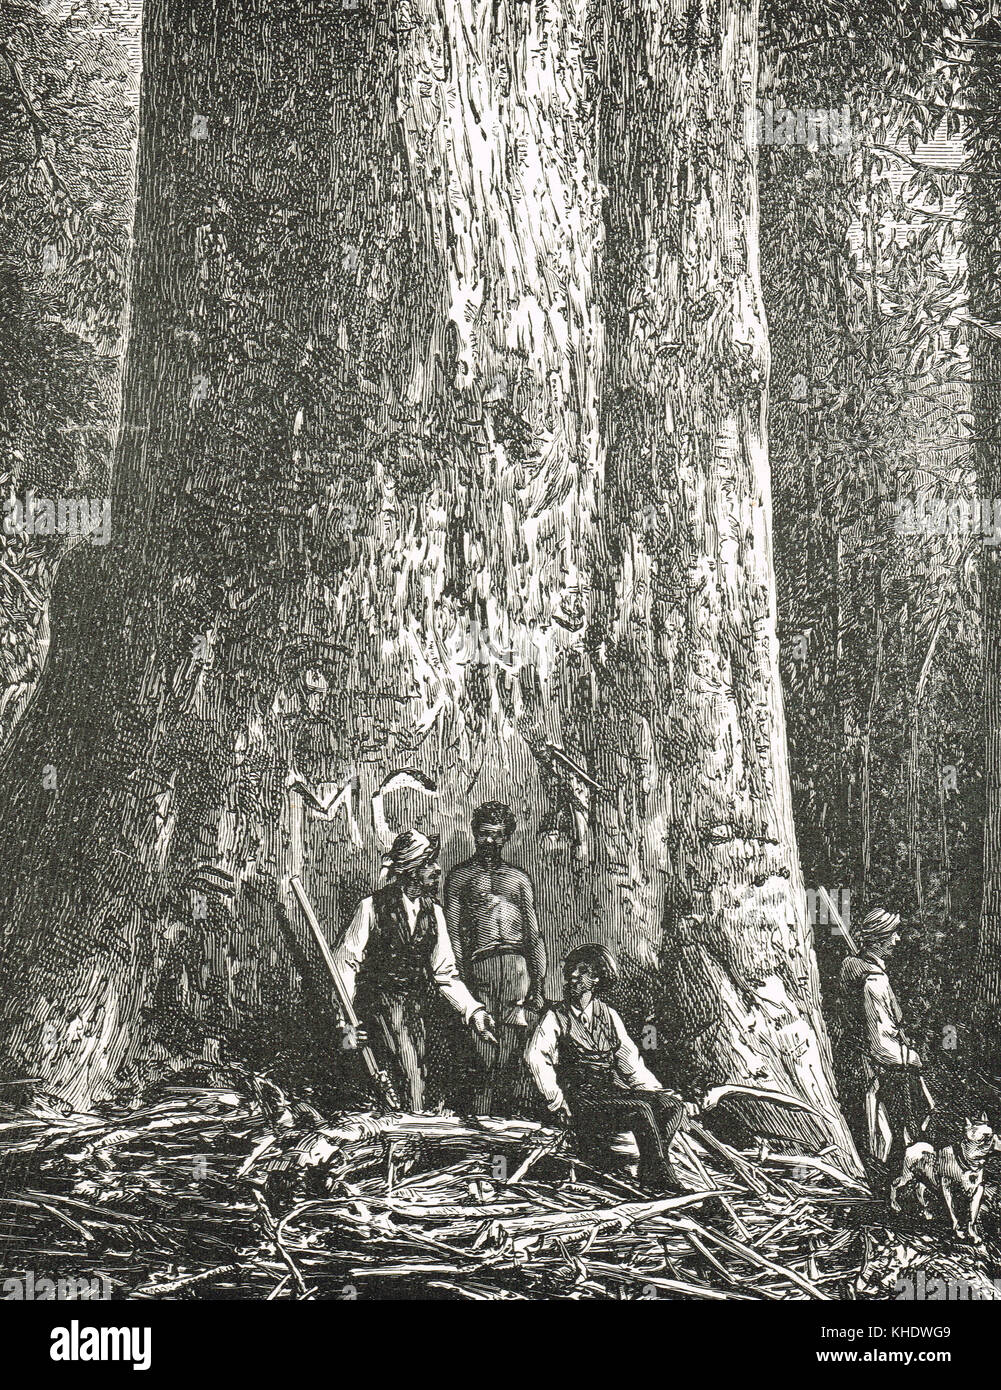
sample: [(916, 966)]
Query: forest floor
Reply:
[(220, 1187)]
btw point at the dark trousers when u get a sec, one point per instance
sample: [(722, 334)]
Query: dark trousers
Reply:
[(398, 1032), (500, 982), (652, 1116)]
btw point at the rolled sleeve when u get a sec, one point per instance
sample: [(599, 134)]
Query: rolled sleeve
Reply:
[(540, 1059), (631, 1068), (350, 953)]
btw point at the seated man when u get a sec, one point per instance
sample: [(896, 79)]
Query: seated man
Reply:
[(590, 1073)]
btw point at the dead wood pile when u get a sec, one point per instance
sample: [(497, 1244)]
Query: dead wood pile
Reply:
[(225, 1189)]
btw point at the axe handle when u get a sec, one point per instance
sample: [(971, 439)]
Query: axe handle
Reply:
[(343, 998)]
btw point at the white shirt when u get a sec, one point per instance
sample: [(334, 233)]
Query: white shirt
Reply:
[(349, 955), (884, 1036), (543, 1047)]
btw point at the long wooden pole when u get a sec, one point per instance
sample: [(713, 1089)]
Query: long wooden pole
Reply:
[(842, 926), (380, 1077)]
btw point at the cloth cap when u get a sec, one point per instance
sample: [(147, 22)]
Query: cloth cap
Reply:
[(879, 925), (410, 850)]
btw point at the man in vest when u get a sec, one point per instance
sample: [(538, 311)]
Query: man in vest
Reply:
[(590, 1074), (490, 910), (887, 1070), (396, 955)]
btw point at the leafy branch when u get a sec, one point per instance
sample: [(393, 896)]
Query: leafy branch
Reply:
[(943, 169)]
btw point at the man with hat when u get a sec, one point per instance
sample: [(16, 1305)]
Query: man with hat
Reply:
[(592, 1077), (396, 955), (887, 1069)]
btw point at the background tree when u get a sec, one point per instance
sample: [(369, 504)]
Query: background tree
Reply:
[(866, 297), (983, 251), (68, 88)]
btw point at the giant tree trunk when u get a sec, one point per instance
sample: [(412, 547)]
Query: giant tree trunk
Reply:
[(371, 518), (701, 877)]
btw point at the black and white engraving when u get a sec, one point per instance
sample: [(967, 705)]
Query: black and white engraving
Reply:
[(500, 651)]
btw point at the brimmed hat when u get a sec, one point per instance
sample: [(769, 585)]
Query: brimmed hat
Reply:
[(879, 926), (598, 957), (410, 850)]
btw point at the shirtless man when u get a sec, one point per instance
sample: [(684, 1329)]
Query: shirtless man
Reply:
[(490, 911)]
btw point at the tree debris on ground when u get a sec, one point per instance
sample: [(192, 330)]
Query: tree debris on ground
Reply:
[(223, 1188)]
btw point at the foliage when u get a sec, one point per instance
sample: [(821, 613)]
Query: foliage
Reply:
[(865, 288), (67, 132)]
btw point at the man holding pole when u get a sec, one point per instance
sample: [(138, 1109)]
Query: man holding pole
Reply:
[(396, 956), (887, 1068)]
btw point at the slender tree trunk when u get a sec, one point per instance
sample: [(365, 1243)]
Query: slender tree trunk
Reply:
[(812, 314), (375, 535), (983, 252)]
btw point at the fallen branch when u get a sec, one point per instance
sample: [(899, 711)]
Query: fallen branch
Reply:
[(805, 1161), (271, 1231), (754, 1257), (184, 1281)]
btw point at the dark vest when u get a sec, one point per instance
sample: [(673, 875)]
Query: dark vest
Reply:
[(397, 962), (585, 1060)]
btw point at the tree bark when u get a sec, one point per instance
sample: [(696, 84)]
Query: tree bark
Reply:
[(983, 252), (701, 875), (425, 499)]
